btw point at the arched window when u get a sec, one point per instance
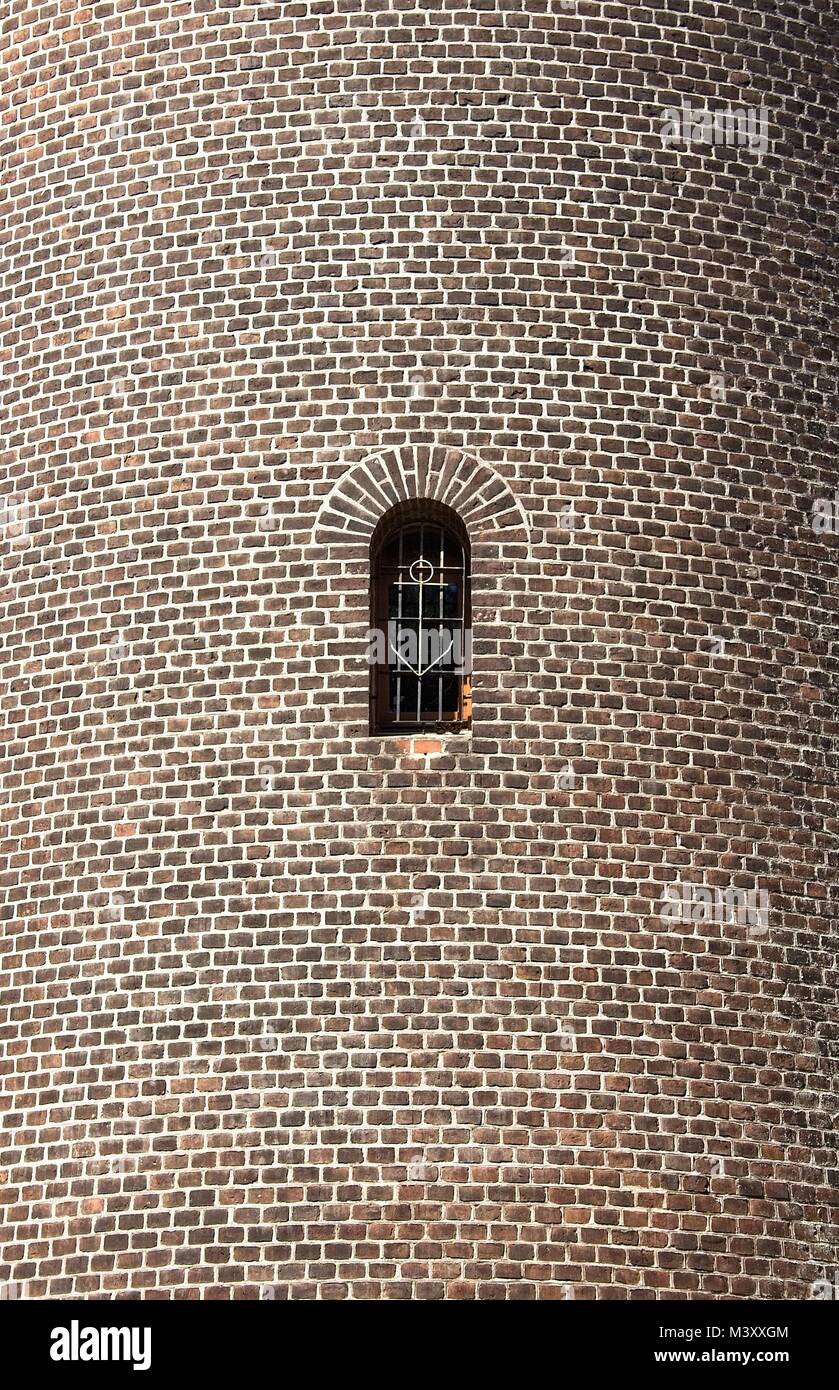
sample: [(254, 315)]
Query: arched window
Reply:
[(420, 620)]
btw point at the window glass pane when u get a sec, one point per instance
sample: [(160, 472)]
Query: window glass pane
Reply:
[(403, 646), (408, 688), (410, 547), (430, 688), (389, 555), (410, 600), (432, 595), (452, 552), (451, 693)]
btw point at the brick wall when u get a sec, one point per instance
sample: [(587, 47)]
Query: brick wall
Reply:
[(293, 1012)]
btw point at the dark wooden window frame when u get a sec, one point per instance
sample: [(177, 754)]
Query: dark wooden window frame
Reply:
[(408, 517)]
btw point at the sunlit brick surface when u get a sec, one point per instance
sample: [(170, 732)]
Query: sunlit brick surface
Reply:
[(293, 1012)]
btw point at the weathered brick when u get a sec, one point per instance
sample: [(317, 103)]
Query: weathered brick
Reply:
[(293, 1011)]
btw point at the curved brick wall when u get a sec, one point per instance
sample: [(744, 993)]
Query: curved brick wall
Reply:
[(292, 1012)]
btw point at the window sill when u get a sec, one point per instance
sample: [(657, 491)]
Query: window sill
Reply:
[(457, 727), (426, 742)]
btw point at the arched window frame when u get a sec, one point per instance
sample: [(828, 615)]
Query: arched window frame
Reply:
[(394, 573)]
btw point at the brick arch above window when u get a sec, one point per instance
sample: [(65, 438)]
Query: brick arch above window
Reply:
[(370, 488)]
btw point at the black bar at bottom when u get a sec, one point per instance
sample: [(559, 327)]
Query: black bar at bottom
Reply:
[(66, 1342)]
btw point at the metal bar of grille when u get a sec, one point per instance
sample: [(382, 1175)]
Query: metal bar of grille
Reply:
[(420, 608), (440, 600), (461, 619), (399, 631)]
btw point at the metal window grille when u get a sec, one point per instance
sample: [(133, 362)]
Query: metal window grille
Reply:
[(421, 605)]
